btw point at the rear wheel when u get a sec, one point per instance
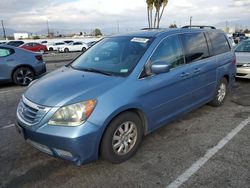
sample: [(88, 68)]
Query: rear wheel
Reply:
[(51, 49), (221, 93), (23, 76), (122, 138)]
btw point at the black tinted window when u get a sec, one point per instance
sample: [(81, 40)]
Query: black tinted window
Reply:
[(169, 51), (219, 43), (195, 46)]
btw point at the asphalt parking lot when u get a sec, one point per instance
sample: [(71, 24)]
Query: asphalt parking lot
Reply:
[(163, 157)]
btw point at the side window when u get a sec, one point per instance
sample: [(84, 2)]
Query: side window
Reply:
[(219, 42), (169, 51), (77, 43), (5, 52), (195, 46)]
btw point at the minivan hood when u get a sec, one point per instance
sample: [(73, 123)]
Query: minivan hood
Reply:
[(67, 86), (243, 57)]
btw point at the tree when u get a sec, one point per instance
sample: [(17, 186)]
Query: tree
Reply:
[(97, 32), (246, 31), (173, 26), (159, 6)]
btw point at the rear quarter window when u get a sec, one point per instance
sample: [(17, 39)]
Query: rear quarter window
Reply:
[(4, 52), (219, 42)]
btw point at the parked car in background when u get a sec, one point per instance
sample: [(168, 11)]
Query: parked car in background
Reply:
[(15, 43), (68, 41), (35, 47), (44, 42), (74, 47), (92, 43), (242, 52), (20, 66), (122, 88), (55, 46), (2, 42)]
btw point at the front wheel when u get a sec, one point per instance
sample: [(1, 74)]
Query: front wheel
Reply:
[(66, 50), (23, 76), (221, 93), (122, 138)]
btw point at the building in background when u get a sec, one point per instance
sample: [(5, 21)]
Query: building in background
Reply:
[(19, 36)]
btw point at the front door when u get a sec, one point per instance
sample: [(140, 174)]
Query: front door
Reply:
[(167, 95)]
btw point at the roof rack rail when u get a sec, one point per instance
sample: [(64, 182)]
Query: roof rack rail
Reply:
[(199, 26)]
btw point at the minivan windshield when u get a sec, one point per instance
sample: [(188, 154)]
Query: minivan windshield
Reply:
[(114, 55), (243, 47)]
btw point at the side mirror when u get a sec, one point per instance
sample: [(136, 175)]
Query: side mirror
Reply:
[(159, 67)]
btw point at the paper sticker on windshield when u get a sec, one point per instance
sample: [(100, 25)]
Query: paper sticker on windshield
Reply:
[(140, 40), (124, 70)]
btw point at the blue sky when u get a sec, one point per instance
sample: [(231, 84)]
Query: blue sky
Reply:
[(32, 15)]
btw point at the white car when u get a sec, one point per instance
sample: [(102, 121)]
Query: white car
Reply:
[(242, 52), (55, 46), (74, 47)]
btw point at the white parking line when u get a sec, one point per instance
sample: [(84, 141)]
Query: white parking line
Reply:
[(11, 90), (210, 153), (7, 126)]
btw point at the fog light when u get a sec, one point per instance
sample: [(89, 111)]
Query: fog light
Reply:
[(63, 153)]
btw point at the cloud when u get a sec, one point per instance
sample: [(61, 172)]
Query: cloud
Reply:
[(32, 15)]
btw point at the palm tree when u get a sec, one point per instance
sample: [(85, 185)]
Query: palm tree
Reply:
[(159, 6), (150, 7), (164, 4)]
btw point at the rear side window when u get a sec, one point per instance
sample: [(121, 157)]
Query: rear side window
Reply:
[(219, 43), (5, 52), (169, 51), (195, 46)]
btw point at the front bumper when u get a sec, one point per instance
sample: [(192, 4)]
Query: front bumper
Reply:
[(243, 73), (80, 148)]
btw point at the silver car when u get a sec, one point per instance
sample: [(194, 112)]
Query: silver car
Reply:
[(20, 66), (242, 52)]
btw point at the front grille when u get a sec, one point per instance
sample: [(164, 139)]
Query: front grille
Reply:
[(240, 74), (30, 113)]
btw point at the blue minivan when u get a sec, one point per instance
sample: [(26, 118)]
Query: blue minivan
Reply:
[(122, 88)]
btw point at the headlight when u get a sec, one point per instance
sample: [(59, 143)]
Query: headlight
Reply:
[(246, 65), (73, 115)]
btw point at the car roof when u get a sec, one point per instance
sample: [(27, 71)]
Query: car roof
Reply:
[(162, 31)]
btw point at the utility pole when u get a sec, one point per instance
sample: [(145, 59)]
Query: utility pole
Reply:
[(191, 20), (48, 27), (4, 34)]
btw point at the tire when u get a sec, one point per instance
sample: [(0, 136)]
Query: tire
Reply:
[(113, 145), (66, 50), (51, 49), (23, 76), (221, 93), (84, 49)]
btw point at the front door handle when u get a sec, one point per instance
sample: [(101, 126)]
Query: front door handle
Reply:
[(197, 70), (185, 74)]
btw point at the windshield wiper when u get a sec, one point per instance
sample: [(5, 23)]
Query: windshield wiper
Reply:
[(95, 71)]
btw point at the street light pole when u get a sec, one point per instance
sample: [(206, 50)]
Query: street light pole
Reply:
[(4, 34), (191, 20), (48, 27)]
